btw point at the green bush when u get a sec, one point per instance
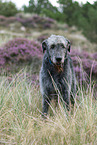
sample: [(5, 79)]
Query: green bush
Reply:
[(7, 8), (54, 15)]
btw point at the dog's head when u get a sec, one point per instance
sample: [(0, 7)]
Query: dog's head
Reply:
[(57, 48)]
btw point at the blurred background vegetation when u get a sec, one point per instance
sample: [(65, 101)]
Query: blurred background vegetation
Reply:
[(84, 16)]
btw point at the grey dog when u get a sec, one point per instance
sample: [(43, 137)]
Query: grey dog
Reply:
[(57, 70)]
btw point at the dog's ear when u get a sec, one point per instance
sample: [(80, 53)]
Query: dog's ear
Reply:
[(44, 45), (68, 45)]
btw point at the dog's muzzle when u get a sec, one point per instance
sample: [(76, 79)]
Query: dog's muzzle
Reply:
[(59, 61), (59, 64)]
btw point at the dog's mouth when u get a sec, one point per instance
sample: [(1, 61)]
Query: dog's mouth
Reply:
[(59, 67), (59, 64)]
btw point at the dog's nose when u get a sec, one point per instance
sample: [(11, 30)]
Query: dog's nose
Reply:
[(58, 59)]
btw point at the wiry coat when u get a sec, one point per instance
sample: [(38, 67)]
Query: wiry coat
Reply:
[(57, 72)]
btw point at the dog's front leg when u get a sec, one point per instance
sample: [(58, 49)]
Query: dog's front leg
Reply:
[(66, 100), (45, 102)]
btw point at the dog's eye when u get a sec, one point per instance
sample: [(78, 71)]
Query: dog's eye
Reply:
[(52, 46)]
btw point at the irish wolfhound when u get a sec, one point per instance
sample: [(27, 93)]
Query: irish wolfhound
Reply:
[(57, 73)]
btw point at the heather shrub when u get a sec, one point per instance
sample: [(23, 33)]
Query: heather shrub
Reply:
[(19, 51), (86, 59), (2, 18), (32, 22), (36, 21), (85, 66), (4, 21)]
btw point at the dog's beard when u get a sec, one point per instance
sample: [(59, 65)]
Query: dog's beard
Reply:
[(59, 67)]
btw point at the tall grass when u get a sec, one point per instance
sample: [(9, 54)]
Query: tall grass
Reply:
[(21, 121)]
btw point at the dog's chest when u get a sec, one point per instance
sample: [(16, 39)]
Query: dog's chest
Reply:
[(58, 79)]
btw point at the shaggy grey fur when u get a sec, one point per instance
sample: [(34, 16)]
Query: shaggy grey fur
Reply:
[(57, 70)]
